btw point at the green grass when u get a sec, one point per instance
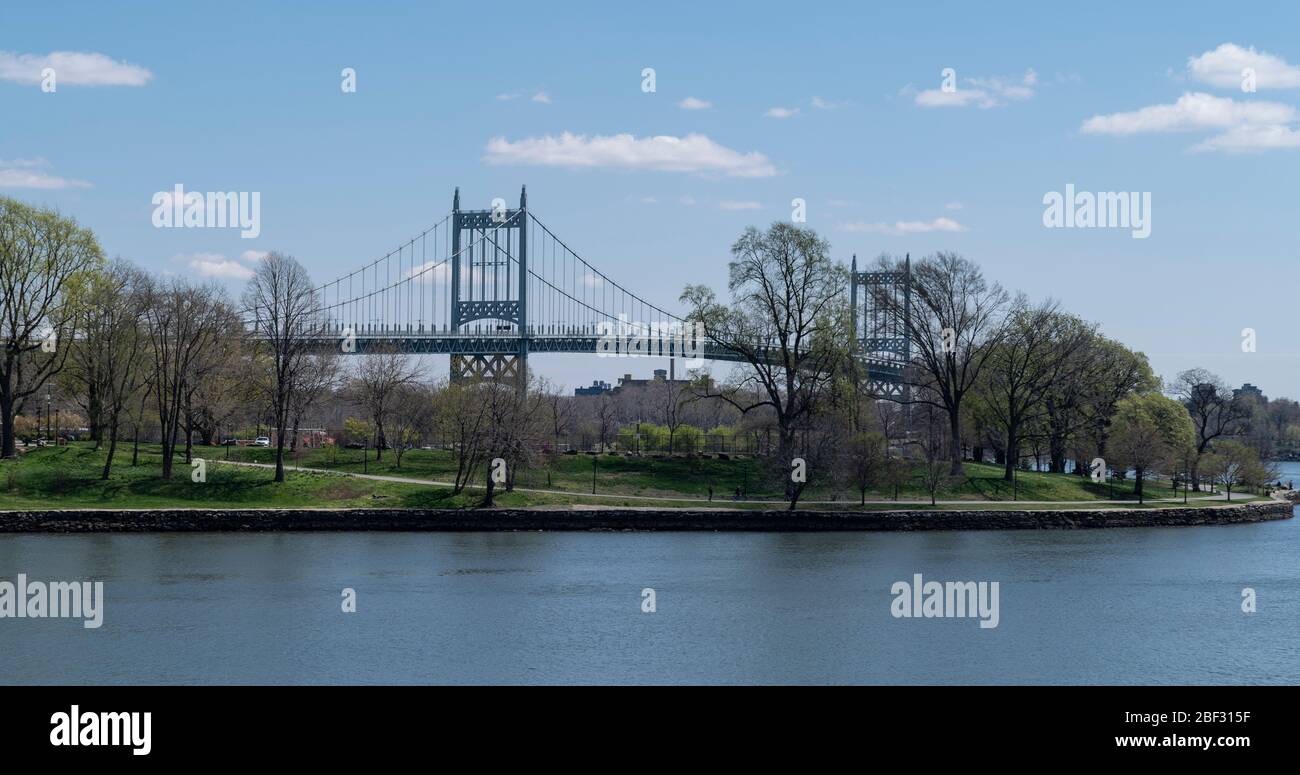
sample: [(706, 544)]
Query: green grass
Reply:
[(68, 477)]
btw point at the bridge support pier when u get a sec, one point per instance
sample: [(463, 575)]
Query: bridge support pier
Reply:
[(500, 368)]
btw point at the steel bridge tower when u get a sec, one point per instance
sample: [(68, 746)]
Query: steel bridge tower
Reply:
[(485, 286), (882, 315)]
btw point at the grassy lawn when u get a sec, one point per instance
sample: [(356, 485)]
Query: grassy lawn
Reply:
[(68, 477)]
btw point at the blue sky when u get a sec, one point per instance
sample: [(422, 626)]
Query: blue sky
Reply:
[(246, 97)]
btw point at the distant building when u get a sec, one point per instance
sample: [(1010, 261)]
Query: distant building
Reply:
[(598, 388), (1248, 389)]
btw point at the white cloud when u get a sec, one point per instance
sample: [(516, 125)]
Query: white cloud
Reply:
[(982, 93), (436, 273), (253, 256), (824, 104), (31, 173), (215, 265), (900, 228), (71, 68), (1223, 68), (781, 112), (649, 200), (1193, 110), (735, 206), (593, 280), (664, 153), (542, 97), (1251, 138), (953, 206), (692, 103), (507, 97)]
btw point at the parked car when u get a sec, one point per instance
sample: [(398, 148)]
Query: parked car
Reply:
[(262, 441)]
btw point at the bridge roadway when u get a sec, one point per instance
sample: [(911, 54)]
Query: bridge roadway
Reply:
[(475, 343)]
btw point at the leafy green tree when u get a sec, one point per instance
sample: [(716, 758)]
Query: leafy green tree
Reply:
[(44, 258), (1149, 432)]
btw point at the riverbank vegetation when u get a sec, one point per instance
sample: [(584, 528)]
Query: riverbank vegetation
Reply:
[(1003, 398)]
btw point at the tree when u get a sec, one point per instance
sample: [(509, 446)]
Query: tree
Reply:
[(375, 385), (183, 323), (668, 400), (1150, 431), (787, 321), (955, 325), (286, 319), (1231, 463), (410, 417), (462, 416), (1039, 349), (897, 472), (319, 375), (864, 460), (514, 425), (934, 447), (1215, 411), (560, 412), (108, 362), (43, 258), (1080, 404)]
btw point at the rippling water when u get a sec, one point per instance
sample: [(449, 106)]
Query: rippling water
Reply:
[(1108, 606)]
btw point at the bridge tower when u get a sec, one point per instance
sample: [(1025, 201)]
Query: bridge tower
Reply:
[(882, 312), (489, 289)]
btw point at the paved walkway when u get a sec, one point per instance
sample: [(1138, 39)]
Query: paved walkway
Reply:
[(723, 501)]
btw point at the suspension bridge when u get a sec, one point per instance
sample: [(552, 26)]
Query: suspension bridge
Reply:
[(492, 287)]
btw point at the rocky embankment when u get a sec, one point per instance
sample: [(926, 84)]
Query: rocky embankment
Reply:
[(589, 518)]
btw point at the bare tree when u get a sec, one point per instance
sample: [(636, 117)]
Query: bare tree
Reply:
[(286, 312), (514, 426), (108, 361), (1214, 409), (410, 417), (934, 446), (461, 415), (863, 459), (786, 320), (184, 324), (319, 375), (375, 385), (956, 322), (43, 257), (606, 411)]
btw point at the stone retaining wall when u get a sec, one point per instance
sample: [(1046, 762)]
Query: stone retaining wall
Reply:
[(216, 520)]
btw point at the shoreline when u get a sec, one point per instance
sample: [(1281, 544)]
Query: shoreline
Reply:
[(622, 519)]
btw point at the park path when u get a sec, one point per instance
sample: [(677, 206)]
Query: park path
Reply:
[(720, 501)]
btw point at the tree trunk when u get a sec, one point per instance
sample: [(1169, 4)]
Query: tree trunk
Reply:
[(112, 448), (491, 489), (1013, 457), (954, 423), (1057, 464), (7, 445)]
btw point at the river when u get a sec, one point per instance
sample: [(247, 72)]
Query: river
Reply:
[(1139, 605)]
